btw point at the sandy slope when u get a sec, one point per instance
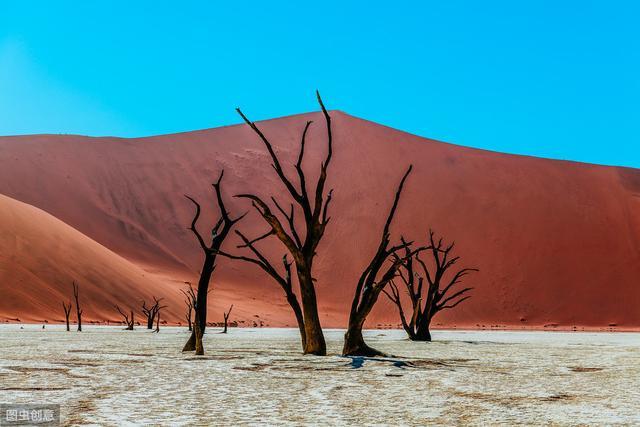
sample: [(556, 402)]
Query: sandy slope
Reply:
[(557, 242), (41, 256)]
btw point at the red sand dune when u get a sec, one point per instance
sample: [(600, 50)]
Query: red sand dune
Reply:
[(557, 242)]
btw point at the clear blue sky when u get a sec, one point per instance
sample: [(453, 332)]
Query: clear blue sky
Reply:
[(557, 79)]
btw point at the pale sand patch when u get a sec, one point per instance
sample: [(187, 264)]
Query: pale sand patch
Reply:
[(108, 376)]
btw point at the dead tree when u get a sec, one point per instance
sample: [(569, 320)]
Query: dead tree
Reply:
[(76, 291), (158, 308), (226, 319), (128, 321), (67, 313), (438, 293), (199, 348), (190, 297), (151, 312), (370, 285), (158, 320), (301, 244), (219, 232)]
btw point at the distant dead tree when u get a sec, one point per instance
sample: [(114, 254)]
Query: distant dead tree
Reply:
[(67, 313), (199, 348), (128, 321), (302, 243), (219, 232), (226, 319), (76, 291), (158, 319), (437, 295), (152, 311), (190, 297), (369, 285)]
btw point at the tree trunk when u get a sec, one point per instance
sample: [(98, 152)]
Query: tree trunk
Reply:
[(422, 335), (295, 306), (201, 301), (422, 331), (354, 344), (68, 329), (314, 338), (130, 323), (76, 293), (198, 339), (410, 333)]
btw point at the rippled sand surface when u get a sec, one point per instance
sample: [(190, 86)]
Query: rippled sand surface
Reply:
[(107, 376)]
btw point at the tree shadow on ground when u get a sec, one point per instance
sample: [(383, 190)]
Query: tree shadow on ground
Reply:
[(357, 362)]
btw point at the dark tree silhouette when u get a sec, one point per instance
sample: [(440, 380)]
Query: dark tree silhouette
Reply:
[(158, 319), (369, 285), (438, 293), (219, 232), (190, 296), (301, 244), (67, 313), (152, 311), (128, 321), (226, 319), (76, 292)]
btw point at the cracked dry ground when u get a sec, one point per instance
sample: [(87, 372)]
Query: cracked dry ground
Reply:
[(108, 376)]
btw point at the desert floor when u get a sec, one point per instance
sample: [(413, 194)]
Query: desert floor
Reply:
[(108, 376)]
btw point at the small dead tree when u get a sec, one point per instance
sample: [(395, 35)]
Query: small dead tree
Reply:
[(190, 296), (152, 311), (199, 348), (369, 285), (158, 320), (67, 313), (438, 293), (219, 232), (76, 292), (301, 243), (128, 321), (157, 315), (226, 319)]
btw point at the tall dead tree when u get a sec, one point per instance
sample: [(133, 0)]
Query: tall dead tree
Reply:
[(67, 313), (76, 292), (128, 321), (301, 244), (226, 319), (190, 297), (219, 232), (371, 283), (439, 293), (152, 311)]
